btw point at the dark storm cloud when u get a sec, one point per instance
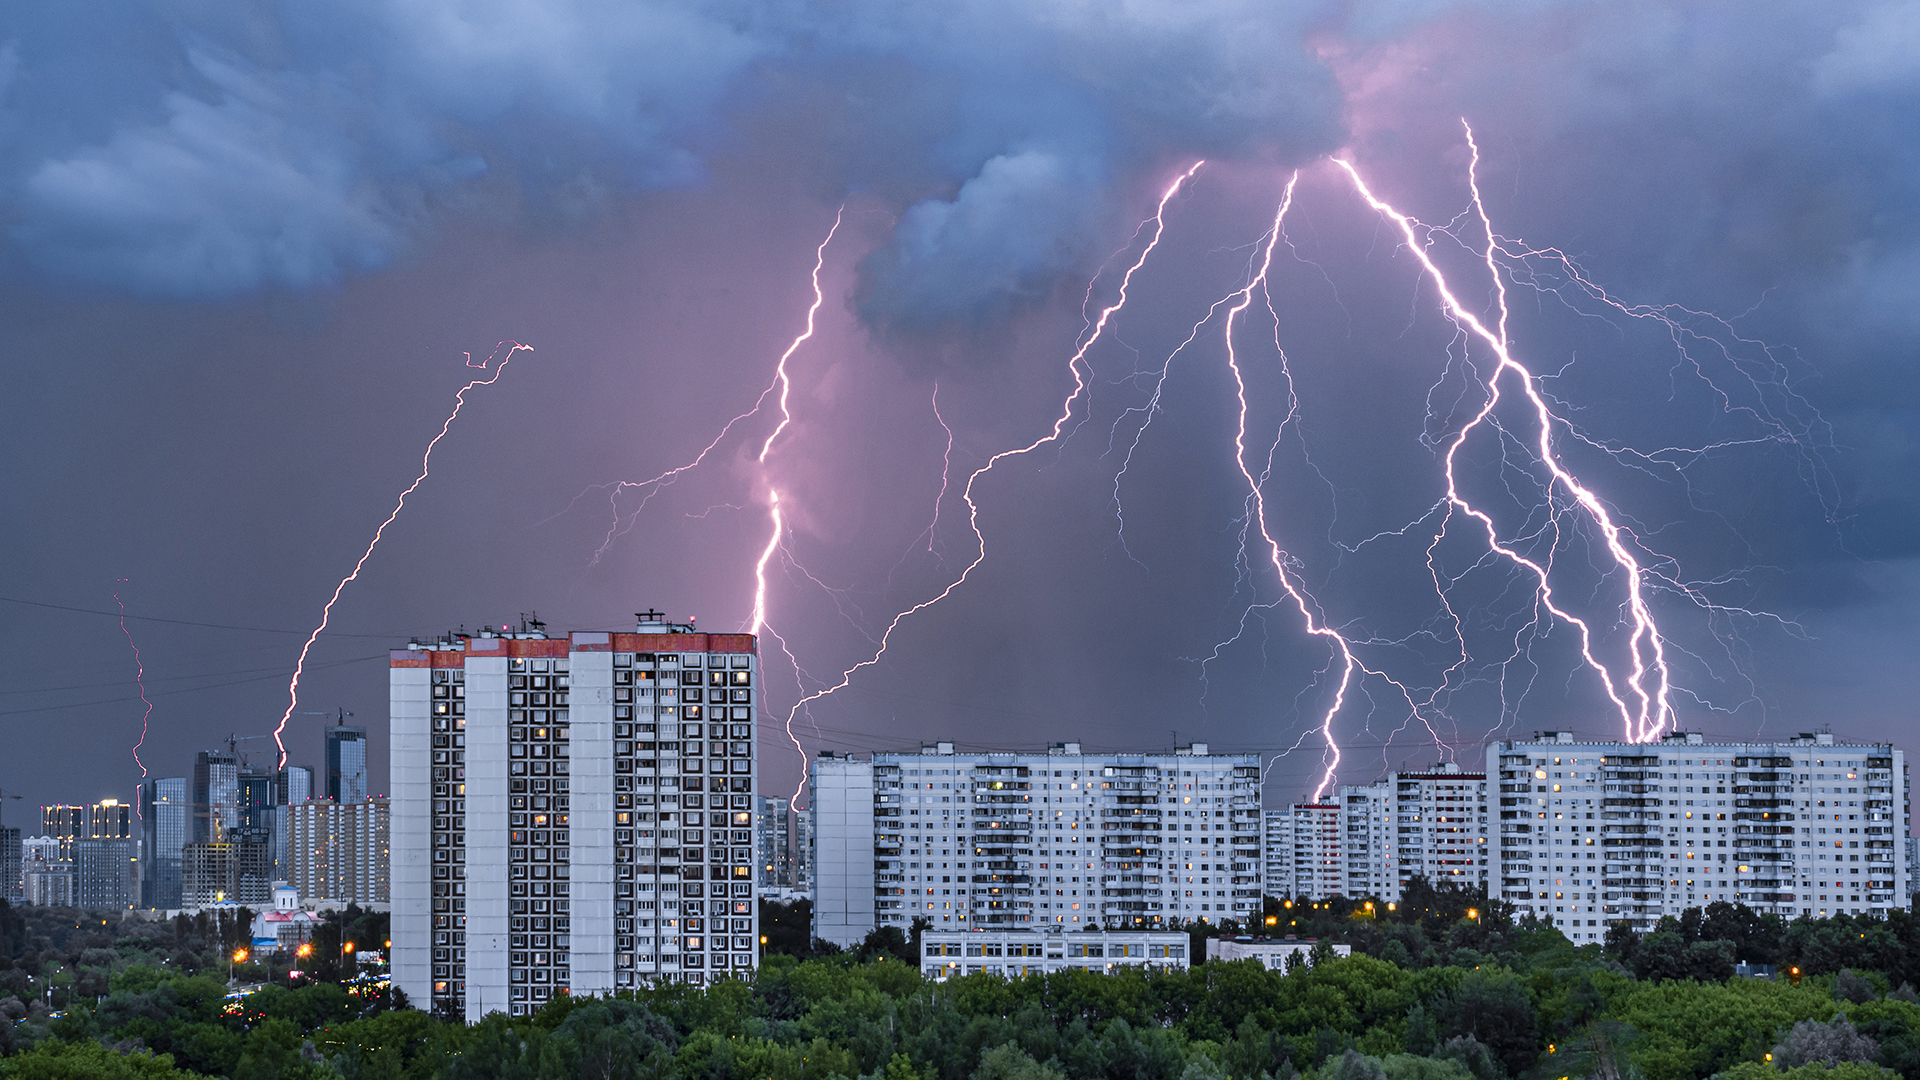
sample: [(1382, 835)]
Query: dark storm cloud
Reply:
[(1757, 160), (288, 146)]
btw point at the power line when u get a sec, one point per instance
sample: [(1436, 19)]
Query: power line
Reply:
[(179, 622), (279, 674)]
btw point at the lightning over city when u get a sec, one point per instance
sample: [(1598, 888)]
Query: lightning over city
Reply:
[(139, 681), (1434, 480), (499, 364)]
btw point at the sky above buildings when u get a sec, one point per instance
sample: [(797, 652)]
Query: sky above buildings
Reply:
[(250, 252)]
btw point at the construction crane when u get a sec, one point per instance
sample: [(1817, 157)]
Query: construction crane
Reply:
[(4, 796)]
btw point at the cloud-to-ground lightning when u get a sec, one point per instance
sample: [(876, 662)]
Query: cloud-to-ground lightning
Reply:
[(781, 382), (1076, 365), (1642, 694), (139, 681), (426, 461)]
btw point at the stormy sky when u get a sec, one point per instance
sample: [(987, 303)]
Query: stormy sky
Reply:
[(245, 251)]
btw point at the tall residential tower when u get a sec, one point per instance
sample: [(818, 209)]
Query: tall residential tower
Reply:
[(572, 815)]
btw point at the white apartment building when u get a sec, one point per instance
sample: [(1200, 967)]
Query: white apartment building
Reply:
[(945, 954), (339, 852), (1274, 954), (1024, 840), (1595, 832), (1319, 867), (1367, 839), (1440, 828), (1370, 840), (571, 815)]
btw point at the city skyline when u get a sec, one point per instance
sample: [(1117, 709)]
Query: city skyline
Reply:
[(1025, 377)]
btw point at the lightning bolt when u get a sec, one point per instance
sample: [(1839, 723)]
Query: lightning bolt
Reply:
[(760, 568), (1642, 694), (426, 459), (1077, 367), (139, 681), (1256, 504), (781, 382)]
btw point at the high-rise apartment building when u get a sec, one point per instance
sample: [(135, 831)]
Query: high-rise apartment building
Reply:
[(238, 870), (1276, 853), (166, 814), (1593, 832), (774, 864), (47, 881), (1317, 855), (1061, 838), (1439, 828), (1371, 840), (216, 795), (572, 815), (12, 885), (1367, 839), (339, 852), (803, 854), (106, 873)]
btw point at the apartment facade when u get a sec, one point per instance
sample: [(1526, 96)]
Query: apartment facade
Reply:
[(572, 815), (773, 838), (1440, 828), (1371, 840), (1005, 841), (106, 873), (946, 954), (339, 852), (1593, 832)]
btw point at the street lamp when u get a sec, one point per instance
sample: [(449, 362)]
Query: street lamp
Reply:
[(239, 957)]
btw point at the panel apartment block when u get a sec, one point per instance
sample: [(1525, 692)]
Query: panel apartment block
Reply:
[(1371, 840), (340, 852), (1594, 832), (1021, 840), (572, 815)]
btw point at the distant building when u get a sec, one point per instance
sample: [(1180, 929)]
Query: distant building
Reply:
[(774, 866), (293, 786), (1271, 952), (12, 886), (1014, 840), (166, 814), (108, 819), (48, 881), (236, 871), (216, 795), (106, 874), (339, 853), (1594, 832), (946, 954), (803, 854), (346, 757), (1371, 840), (286, 925)]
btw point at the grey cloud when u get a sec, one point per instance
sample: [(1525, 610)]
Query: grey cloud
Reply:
[(285, 147)]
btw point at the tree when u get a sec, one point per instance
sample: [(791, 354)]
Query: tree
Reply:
[(1494, 1008), (1666, 954), (1009, 1062), (52, 1060), (1851, 988), (885, 941), (1831, 1043)]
